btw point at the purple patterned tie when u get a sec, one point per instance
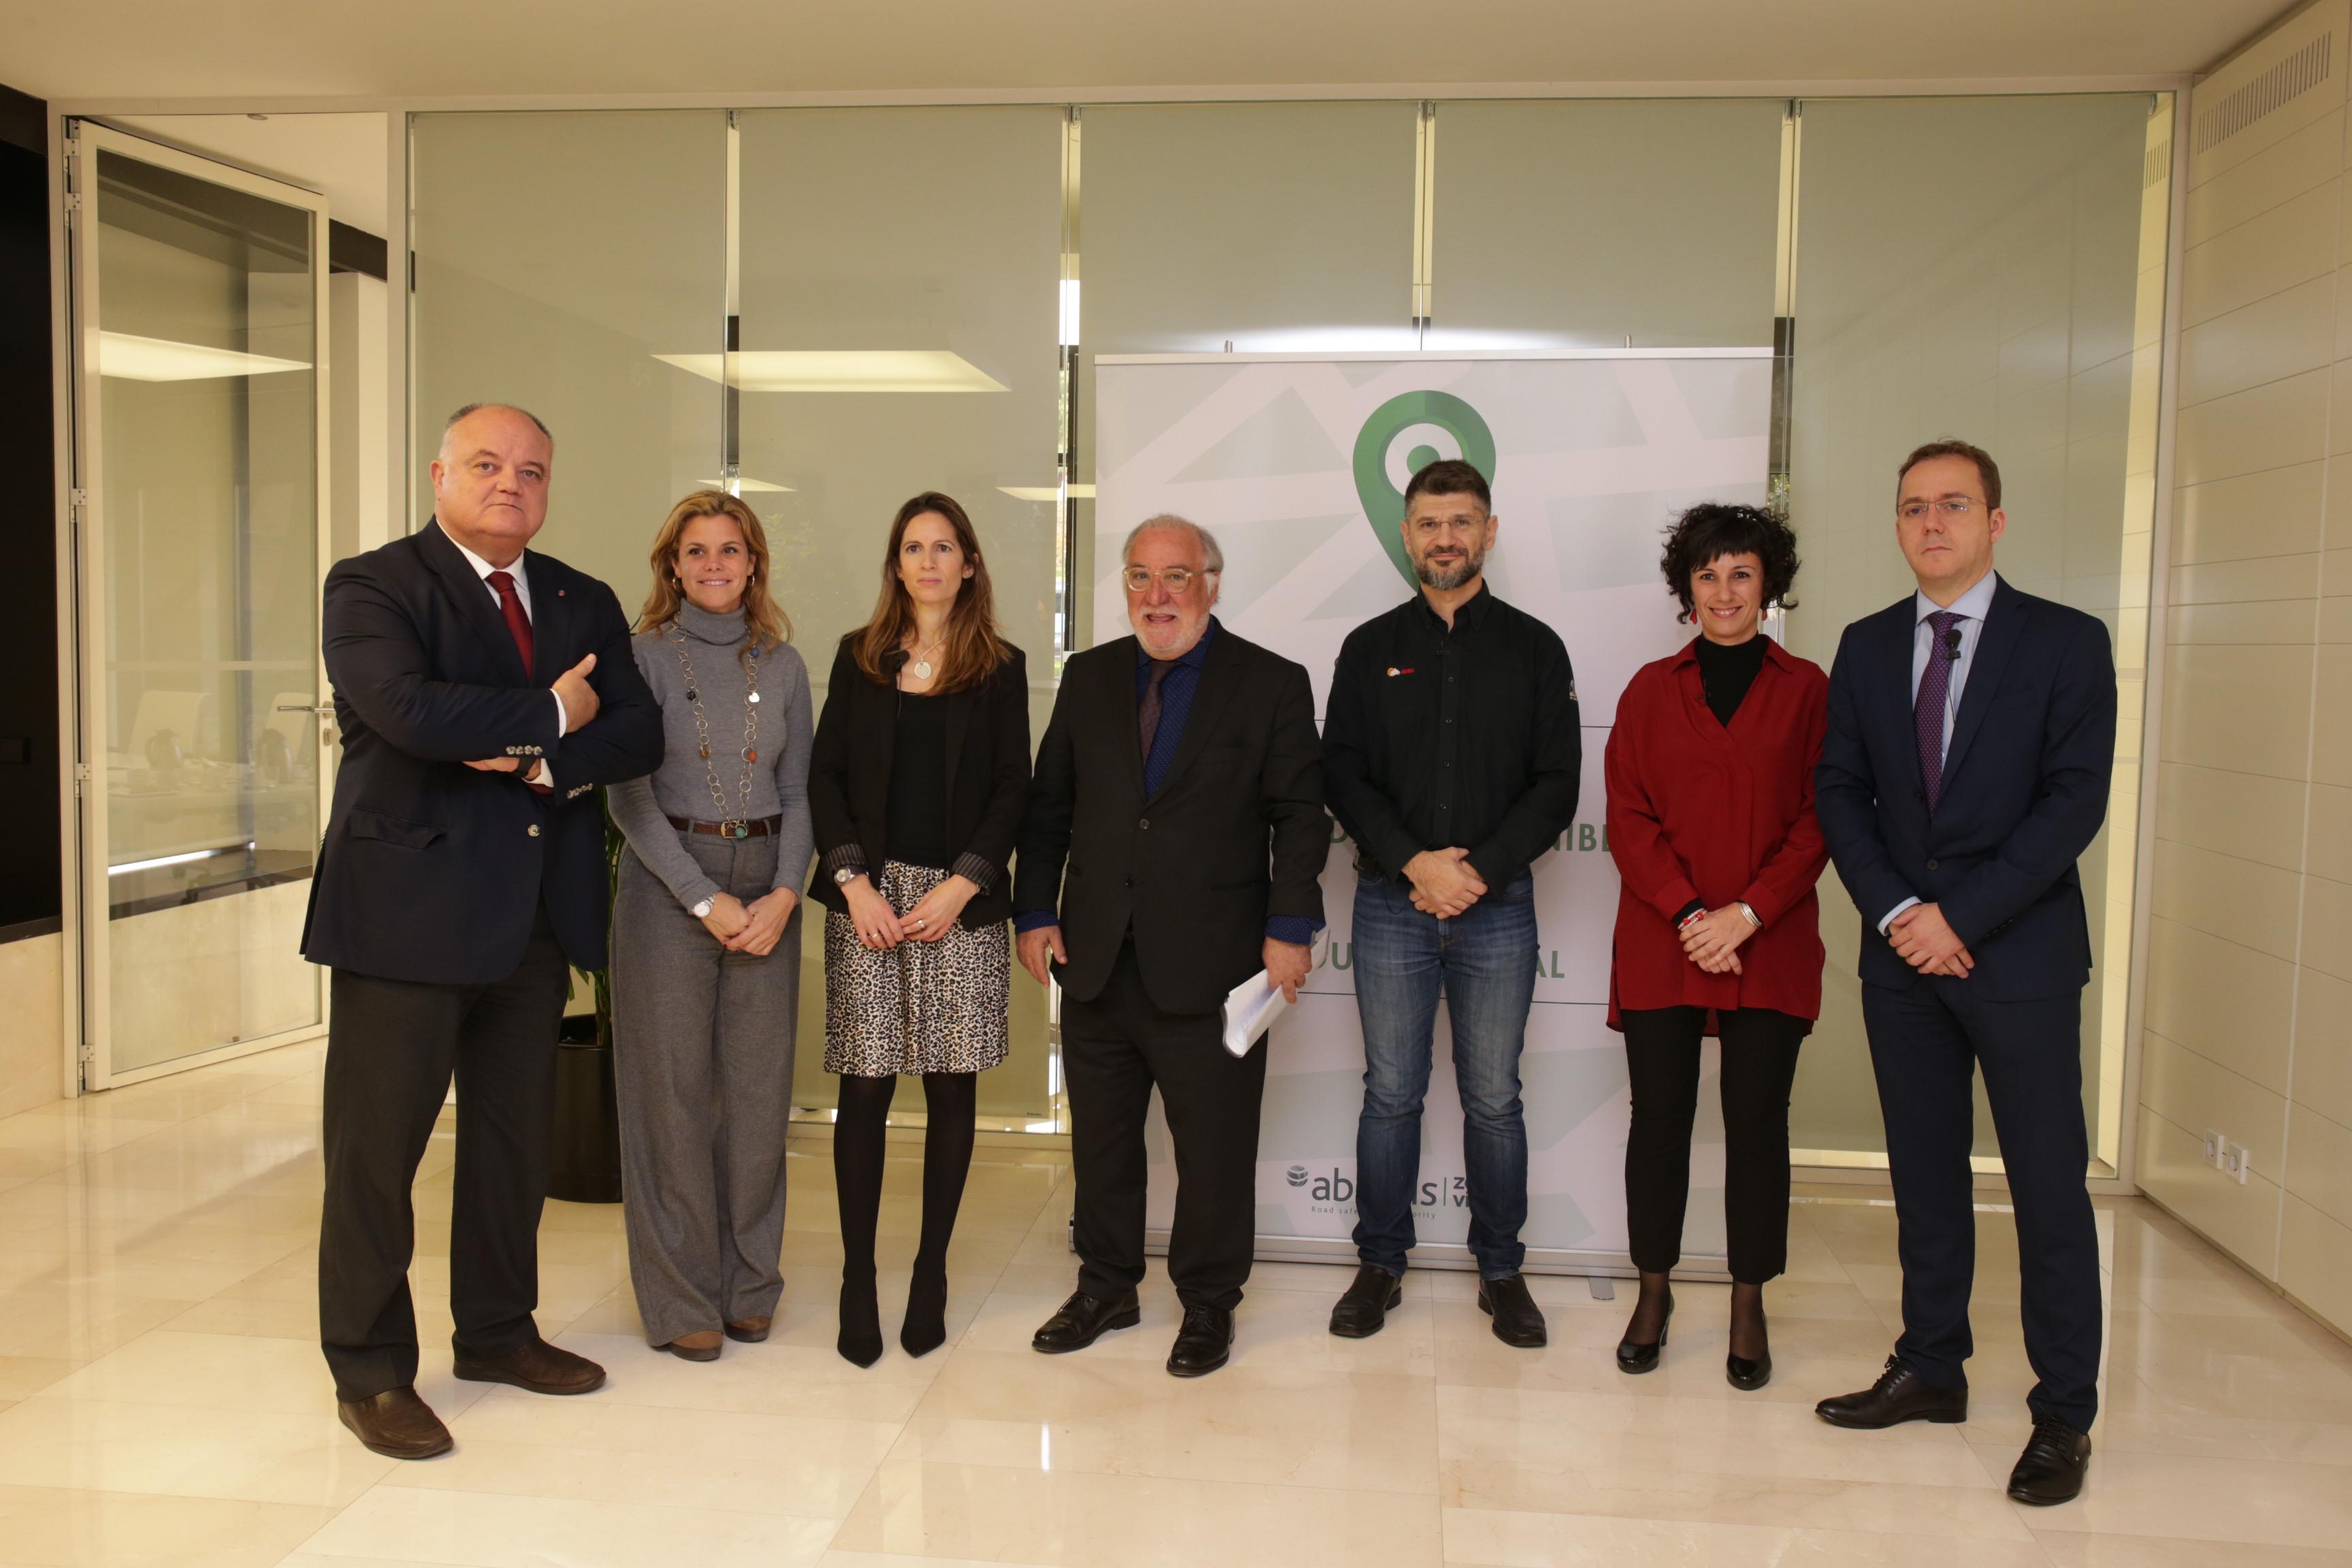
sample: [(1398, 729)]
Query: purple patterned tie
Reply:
[(1927, 708), (1146, 712)]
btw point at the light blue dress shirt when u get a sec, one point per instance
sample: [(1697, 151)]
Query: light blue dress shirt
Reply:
[(1971, 607)]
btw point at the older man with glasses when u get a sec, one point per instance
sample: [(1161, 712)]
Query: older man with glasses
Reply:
[(1175, 836)]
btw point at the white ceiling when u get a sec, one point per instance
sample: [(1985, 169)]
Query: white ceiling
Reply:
[(127, 49)]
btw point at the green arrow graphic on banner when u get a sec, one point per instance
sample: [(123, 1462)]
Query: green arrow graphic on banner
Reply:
[(1384, 501)]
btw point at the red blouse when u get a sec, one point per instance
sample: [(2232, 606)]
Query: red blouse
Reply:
[(1701, 810)]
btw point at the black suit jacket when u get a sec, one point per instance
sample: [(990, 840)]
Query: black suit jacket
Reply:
[(1236, 833), (987, 777), (431, 870), (2025, 789)]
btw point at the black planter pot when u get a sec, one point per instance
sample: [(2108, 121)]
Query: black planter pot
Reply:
[(583, 1164)]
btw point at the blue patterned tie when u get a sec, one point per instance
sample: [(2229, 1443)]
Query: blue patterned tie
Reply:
[(1928, 710)]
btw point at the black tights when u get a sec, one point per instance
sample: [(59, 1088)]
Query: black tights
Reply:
[(861, 1135), (860, 1139)]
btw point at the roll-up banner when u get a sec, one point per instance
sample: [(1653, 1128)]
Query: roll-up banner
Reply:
[(1297, 465)]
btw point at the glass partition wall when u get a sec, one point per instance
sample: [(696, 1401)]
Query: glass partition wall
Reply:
[(829, 310)]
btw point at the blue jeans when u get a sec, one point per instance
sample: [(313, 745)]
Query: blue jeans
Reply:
[(1484, 963)]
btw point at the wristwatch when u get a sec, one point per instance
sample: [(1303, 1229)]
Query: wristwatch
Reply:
[(846, 875), (702, 911)]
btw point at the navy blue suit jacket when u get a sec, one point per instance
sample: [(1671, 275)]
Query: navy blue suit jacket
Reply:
[(430, 870), (2025, 789)]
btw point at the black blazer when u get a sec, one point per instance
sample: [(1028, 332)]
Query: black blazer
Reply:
[(2025, 789), (1235, 835), (988, 773), (430, 870)]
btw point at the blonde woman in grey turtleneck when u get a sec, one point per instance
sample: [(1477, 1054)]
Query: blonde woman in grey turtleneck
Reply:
[(706, 933)]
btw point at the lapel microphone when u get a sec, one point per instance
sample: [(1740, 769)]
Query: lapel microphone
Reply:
[(1952, 645)]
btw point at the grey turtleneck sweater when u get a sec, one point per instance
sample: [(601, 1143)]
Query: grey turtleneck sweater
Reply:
[(682, 785)]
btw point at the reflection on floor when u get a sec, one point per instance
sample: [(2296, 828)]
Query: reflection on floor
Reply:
[(161, 1400)]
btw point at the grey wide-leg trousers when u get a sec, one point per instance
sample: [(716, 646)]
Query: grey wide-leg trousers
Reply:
[(702, 1050)]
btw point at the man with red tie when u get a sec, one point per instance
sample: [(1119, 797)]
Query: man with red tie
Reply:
[(483, 691)]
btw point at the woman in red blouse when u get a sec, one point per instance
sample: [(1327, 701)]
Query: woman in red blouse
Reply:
[(1710, 770)]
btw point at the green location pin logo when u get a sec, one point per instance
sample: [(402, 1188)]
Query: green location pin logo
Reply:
[(1384, 501)]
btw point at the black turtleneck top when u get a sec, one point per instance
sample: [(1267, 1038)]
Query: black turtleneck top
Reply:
[(1727, 671)]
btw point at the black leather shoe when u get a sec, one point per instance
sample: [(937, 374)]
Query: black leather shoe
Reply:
[(1900, 1394), (1364, 1308), (1519, 1321), (1203, 1344), (1634, 1358), (2051, 1470), (1745, 1375), (1083, 1320)]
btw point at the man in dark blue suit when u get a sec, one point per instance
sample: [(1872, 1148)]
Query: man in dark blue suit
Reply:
[(483, 693), (1972, 736)]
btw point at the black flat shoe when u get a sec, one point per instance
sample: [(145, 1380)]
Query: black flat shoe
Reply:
[(1636, 1359), (2050, 1470), (1362, 1313), (1519, 1321), (1082, 1320), (1900, 1394), (1203, 1344)]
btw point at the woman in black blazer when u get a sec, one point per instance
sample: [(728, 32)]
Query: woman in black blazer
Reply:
[(916, 787)]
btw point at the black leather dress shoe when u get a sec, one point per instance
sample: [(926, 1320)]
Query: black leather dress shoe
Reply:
[(1083, 1320), (1636, 1358), (2051, 1470), (1745, 1375), (395, 1424), (1519, 1321), (1203, 1344), (1900, 1394), (1364, 1308)]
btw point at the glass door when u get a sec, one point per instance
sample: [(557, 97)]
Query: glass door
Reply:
[(198, 303)]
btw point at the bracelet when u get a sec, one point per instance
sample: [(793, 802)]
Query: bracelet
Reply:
[(1692, 918), (1754, 918)]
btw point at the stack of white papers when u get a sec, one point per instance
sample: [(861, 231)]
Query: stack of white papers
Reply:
[(1250, 1010)]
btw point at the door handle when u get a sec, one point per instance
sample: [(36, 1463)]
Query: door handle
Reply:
[(321, 708)]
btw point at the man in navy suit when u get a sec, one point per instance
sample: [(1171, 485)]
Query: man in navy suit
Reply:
[(483, 693), (1971, 735)]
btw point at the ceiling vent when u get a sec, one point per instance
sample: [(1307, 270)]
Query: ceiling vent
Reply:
[(2273, 89), (2284, 83)]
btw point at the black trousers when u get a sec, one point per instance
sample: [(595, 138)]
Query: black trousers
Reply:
[(1760, 1063), (1927, 1041), (1115, 1050), (391, 1048)]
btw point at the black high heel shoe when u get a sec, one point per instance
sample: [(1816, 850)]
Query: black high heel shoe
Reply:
[(860, 1340), (925, 1329), (1745, 1375), (1638, 1358)]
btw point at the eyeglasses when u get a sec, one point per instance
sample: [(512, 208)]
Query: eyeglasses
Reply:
[(1951, 508), (1175, 579)]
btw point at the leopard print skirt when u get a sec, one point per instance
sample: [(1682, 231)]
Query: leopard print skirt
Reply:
[(923, 1006)]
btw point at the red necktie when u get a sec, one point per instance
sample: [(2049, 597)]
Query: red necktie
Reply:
[(518, 623)]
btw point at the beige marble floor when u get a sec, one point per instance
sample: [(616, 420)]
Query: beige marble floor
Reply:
[(162, 1402)]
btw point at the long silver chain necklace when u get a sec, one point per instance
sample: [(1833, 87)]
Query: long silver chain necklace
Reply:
[(737, 826)]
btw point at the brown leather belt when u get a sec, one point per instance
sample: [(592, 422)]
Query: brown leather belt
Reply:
[(757, 827)]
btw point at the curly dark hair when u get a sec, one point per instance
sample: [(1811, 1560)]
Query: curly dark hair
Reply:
[(1712, 529)]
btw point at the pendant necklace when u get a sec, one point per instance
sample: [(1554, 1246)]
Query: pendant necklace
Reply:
[(737, 824), (921, 668)]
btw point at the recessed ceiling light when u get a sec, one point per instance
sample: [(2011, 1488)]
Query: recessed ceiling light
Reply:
[(129, 358), (842, 370), (742, 487), (1047, 492)]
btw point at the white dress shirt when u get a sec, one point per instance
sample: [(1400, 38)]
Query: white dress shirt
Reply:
[(1971, 607), (542, 773)]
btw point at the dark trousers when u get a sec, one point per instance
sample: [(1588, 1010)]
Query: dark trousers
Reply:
[(1926, 1043), (1760, 1063), (391, 1050), (1115, 1048)]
